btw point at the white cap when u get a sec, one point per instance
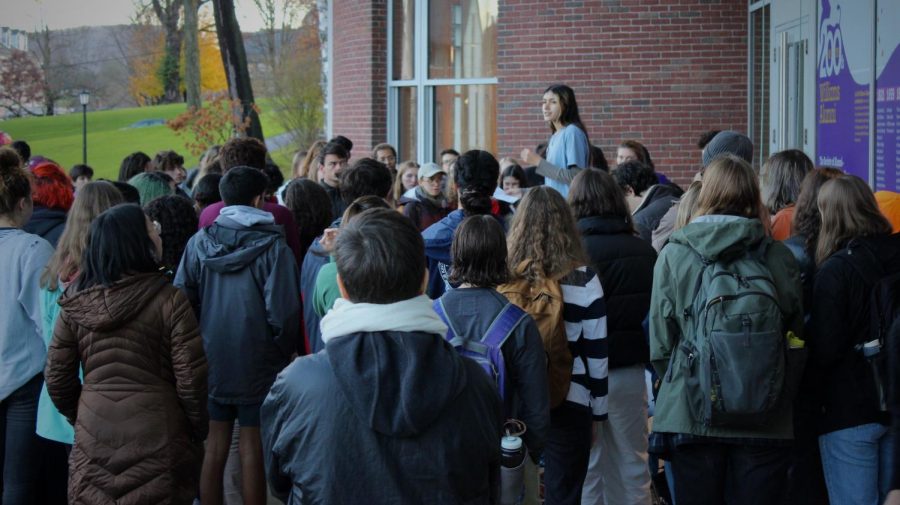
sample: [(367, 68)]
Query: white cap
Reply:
[(511, 443)]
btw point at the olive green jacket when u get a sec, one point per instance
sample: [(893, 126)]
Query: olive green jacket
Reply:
[(674, 283)]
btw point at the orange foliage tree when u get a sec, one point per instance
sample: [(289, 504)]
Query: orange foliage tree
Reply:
[(212, 124)]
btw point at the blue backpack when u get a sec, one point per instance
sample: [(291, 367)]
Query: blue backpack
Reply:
[(487, 351)]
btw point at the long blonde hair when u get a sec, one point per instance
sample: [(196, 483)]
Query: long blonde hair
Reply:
[(402, 168), (848, 210), (90, 202), (687, 205), (309, 163), (543, 240), (730, 187)]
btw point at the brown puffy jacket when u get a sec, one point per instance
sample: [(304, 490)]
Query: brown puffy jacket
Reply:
[(140, 416)]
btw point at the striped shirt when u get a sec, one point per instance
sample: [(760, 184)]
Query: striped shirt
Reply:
[(584, 312)]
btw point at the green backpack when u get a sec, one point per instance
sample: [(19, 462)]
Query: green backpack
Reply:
[(736, 345)]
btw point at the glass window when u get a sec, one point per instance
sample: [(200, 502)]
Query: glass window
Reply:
[(406, 123), (465, 117), (759, 84), (462, 39), (404, 64)]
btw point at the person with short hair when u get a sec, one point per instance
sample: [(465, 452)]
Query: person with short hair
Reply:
[(53, 196), (206, 192), (366, 177), (129, 193), (171, 163), (23, 149), (332, 161), (81, 175), (385, 153), (250, 152), (240, 276), (152, 185), (383, 421), (448, 158), (426, 205), (140, 410), (132, 165)]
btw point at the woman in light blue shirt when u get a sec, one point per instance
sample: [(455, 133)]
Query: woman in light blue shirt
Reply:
[(568, 146)]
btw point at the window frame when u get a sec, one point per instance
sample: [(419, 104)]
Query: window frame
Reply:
[(424, 85)]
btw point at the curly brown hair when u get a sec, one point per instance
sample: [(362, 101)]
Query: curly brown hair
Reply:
[(543, 239)]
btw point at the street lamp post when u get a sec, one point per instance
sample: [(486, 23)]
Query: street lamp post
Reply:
[(84, 97)]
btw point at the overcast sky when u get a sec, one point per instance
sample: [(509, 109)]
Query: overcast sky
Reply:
[(58, 14)]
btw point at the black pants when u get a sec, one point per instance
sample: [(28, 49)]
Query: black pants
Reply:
[(716, 473), (566, 455)]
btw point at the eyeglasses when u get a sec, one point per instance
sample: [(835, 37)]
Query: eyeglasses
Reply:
[(157, 226)]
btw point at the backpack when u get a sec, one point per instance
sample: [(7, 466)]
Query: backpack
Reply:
[(735, 341), (543, 301), (884, 309), (486, 352)]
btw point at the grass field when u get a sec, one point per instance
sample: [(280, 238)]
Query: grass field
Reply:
[(109, 139)]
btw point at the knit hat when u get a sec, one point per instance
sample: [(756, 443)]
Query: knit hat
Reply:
[(728, 142)]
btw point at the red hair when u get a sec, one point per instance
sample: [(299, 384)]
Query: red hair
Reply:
[(52, 187)]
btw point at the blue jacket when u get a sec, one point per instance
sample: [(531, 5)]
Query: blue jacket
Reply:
[(400, 414), (438, 238), (243, 283)]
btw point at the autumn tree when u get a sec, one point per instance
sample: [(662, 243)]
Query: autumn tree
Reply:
[(20, 84), (168, 13), (145, 58), (298, 98)]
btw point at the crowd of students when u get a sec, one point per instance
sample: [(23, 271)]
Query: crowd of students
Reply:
[(222, 335)]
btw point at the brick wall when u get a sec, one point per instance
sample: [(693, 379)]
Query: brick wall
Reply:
[(360, 73), (658, 71)]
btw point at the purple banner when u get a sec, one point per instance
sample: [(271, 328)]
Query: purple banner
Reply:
[(887, 105), (842, 103)]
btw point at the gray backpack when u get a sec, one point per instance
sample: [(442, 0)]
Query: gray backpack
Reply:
[(736, 342)]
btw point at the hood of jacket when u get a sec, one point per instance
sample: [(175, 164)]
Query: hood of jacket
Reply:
[(658, 192), (602, 225), (233, 242), (720, 237), (44, 219), (398, 383), (101, 308)]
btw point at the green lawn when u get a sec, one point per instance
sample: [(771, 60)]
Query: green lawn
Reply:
[(109, 139)]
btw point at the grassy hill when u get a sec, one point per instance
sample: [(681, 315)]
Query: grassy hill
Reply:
[(109, 138)]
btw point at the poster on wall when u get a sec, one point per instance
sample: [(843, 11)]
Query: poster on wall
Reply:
[(887, 96), (843, 72)]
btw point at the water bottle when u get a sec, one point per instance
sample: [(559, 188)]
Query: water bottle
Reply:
[(512, 470)]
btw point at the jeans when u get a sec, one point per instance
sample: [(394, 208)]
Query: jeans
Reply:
[(19, 444), (857, 464), (718, 473), (566, 454)]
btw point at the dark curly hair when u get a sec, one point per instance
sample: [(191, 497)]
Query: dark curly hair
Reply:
[(476, 177), (311, 207), (635, 175), (178, 222), (243, 151)]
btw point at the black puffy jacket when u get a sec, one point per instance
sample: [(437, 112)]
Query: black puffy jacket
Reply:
[(624, 263)]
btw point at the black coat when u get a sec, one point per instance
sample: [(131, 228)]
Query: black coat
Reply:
[(624, 263), (47, 223), (656, 203), (840, 319), (383, 417)]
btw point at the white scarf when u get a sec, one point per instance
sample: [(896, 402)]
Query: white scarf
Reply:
[(415, 314)]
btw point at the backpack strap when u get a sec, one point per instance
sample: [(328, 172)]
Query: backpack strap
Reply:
[(503, 325), (438, 306)]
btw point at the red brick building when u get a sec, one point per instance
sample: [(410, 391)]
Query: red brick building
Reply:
[(661, 72)]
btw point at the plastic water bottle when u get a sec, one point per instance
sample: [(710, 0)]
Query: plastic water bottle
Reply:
[(512, 470)]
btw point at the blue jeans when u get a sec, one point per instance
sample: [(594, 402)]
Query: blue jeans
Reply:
[(19, 444), (857, 464)]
